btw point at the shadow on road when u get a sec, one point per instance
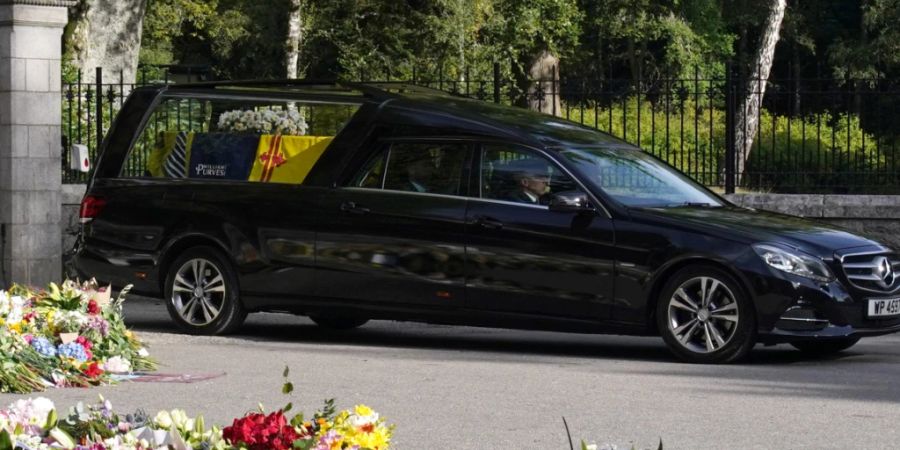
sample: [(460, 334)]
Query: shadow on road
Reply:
[(150, 315)]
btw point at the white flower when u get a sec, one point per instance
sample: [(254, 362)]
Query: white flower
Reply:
[(117, 364), (41, 408), (359, 421), (163, 420), (181, 420), (4, 304), (16, 309), (31, 412), (143, 353)]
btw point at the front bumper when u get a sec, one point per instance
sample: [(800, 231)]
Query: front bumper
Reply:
[(791, 309)]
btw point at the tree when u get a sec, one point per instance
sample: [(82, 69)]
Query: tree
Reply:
[(294, 36), (105, 34), (747, 116), (529, 34), (235, 38)]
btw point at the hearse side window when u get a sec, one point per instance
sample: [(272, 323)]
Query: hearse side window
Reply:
[(517, 175), (237, 139), (426, 167)]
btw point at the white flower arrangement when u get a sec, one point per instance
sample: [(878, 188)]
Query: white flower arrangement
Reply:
[(266, 121)]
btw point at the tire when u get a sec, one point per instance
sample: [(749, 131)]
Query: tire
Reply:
[(721, 331), (821, 348), (333, 322), (218, 310)]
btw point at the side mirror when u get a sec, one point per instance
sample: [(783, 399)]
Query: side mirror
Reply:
[(570, 201)]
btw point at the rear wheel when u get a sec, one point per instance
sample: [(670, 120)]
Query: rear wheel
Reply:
[(202, 292), (825, 347), (335, 322), (704, 316)]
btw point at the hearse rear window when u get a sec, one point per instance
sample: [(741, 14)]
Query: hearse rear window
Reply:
[(235, 139)]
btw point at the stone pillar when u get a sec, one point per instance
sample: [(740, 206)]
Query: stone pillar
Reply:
[(30, 143)]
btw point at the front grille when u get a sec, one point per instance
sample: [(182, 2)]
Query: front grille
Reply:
[(873, 272)]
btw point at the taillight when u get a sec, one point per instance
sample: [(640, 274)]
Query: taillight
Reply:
[(91, 207)]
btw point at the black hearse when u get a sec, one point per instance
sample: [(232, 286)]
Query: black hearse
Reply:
[(350, 202)]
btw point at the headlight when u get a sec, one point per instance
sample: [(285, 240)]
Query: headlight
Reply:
[(794, 262)]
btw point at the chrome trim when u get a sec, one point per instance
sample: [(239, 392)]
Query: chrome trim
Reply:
[(871, 265), (883, 250), (506, 202), (393, 191), (802, 320)]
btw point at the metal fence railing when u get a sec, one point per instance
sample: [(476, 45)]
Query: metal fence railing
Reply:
[(821, 135)]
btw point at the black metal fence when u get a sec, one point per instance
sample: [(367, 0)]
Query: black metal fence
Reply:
[(819, 135)]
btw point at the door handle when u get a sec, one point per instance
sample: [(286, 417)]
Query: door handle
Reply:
[(353, 208), (488, 223)]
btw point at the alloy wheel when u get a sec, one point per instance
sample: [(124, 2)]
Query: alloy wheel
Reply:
[(198, 292), (703, 314)]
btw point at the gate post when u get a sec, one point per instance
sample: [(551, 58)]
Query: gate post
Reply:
[(30, 144), (730, 144)]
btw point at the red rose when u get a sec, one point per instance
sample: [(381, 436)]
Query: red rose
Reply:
[(93, 307), (260, 432), (93, 371)]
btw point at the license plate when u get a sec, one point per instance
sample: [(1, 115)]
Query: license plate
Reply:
[(884, 307)]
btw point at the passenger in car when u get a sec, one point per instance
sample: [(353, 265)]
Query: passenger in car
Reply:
[(419, 172)]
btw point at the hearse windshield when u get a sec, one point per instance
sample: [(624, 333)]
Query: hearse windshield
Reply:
[(637, 179)]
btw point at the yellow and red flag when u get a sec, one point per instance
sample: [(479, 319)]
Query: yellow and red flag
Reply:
[(287, 159)]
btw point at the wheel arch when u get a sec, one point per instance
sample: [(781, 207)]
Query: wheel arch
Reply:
[(178, 245), (665, 273)]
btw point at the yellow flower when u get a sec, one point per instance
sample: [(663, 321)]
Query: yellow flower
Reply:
[(16, 327), (378, 439), (362, 410)]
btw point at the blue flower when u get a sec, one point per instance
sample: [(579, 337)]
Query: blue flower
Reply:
[(44, 347), (73, 350)]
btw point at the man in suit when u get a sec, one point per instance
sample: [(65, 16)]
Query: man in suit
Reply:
[(532, 181)]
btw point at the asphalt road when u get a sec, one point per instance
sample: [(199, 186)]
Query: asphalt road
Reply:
[(472, 388)]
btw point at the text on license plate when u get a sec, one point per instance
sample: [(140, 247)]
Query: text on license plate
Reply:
[(881, 307)]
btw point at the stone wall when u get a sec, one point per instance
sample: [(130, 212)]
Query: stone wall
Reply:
[(30, 102), (874, 216)]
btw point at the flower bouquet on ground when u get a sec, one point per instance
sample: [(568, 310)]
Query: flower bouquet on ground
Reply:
[(34, 424), (68, 335)]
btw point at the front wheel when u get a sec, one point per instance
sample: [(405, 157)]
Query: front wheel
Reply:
[(821, 348), (704, 316), (202, 292)]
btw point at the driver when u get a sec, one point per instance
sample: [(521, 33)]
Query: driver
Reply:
[(532, 181)]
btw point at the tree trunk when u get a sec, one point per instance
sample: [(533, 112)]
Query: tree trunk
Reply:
[(292, 44), (542, 85), (107, 34), (746, 121)]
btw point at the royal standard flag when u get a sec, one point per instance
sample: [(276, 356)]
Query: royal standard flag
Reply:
[(170, 155), (287, 159)]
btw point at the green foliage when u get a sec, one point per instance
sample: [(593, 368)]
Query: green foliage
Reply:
[(237, 38), (818, 151), (650, 37)]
